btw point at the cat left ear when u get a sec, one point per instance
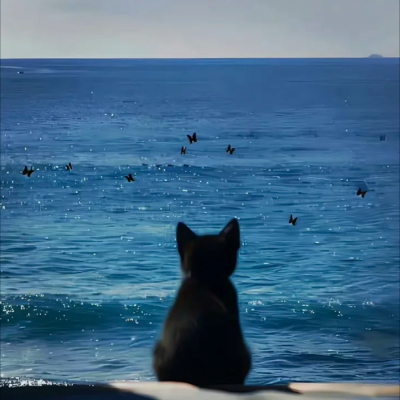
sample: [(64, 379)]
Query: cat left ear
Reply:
[(184, 235), (231, 233)]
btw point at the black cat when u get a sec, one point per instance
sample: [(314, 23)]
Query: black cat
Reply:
[(202, 341)]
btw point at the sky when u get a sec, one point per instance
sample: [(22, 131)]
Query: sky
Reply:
[(198, 28)]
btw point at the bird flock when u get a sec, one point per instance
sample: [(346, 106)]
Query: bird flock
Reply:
[(192, 139)]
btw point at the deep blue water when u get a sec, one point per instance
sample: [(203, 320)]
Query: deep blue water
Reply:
[(89, 265)]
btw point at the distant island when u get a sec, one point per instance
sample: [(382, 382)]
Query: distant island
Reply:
[(375, 56)]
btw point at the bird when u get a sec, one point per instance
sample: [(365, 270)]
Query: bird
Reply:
[(292, 220), (129, 178), (361, 193), (183, 150), (230, 149), (27, 171), (192, 138), (68, 167)]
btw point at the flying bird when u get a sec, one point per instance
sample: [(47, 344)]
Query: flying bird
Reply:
[(292, 220), (230, 149), (361, 193), (68, 167), (183, 150), (129, 178), (192, 139), (27, 171)]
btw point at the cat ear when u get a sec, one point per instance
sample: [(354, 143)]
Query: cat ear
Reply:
[(231, 233), (184, 235)]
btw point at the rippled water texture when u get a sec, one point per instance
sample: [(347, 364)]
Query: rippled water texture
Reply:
[(89, 265)]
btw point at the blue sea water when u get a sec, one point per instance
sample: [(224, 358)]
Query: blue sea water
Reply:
[(89, 265)]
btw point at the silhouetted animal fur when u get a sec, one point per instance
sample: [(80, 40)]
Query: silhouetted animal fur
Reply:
[(202, 341)]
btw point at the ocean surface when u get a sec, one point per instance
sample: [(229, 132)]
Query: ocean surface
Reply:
[(89, 265)]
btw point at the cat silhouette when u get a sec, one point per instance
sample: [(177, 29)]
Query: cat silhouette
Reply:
[(202, 341)]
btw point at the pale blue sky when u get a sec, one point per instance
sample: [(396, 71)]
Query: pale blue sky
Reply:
[(198, 28)]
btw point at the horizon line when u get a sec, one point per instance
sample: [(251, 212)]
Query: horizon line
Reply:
[(197, 58)]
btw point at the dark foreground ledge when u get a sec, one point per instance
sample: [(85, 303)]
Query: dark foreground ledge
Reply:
[(180, 391)]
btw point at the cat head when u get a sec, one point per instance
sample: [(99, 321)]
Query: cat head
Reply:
[(208, 257)]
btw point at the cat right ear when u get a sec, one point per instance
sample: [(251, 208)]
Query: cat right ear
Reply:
[(231, 233), (184, 235)]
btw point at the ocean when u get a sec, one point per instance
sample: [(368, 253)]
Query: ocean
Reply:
[(89, 265)]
